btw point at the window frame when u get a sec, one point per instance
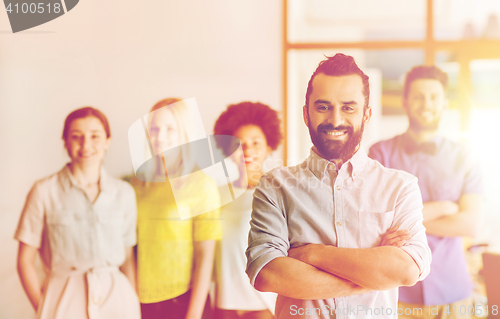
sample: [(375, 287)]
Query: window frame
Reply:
[(465, 50)]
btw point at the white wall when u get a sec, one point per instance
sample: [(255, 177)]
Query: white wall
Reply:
[(121, 56)]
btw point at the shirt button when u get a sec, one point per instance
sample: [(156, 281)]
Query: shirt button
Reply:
[(338, 188), (339, 223), (353, 174), (97, 300)]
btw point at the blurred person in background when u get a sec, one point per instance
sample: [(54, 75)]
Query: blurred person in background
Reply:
[(451, 185), (175, 256), (257, 127), (82, 221), (325, 234)]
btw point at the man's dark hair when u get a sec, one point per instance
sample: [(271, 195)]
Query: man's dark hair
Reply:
[(339, 65), (424, 72)]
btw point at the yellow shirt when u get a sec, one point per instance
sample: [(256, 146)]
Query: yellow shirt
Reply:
[(165, 242)]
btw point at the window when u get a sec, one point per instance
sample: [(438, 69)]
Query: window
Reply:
[(387, 38)]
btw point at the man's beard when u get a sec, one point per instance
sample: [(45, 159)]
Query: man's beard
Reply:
[(333, 149), (418, 126)]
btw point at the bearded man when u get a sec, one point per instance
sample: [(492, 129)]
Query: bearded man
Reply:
[(451, 185), (338, 234)]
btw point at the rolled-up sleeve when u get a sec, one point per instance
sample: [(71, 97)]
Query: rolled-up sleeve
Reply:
[(268, 237), (31, 223), (408, 215)]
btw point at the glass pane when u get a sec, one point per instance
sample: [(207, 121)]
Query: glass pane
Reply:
[(386, 69), (355, 20), (447, 61), (483, 135), (451, 120), (465, 19), (485, 82), (480, 87)]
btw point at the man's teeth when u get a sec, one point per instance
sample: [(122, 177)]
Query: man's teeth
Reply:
[(335, 133)]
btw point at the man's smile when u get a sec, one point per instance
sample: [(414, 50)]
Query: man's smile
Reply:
[(335, 134)]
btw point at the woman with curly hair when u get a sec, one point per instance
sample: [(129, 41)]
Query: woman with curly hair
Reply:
[(257, 126)]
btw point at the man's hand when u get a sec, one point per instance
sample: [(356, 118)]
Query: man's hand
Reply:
[(395, 237), (357, 264)]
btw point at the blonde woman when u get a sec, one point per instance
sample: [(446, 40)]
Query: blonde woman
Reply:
[(175, 256), (82, 221)]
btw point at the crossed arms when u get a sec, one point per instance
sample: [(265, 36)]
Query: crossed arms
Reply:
[(449, 219), (319, 271)]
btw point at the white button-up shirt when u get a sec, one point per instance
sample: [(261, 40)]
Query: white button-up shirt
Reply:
[(70, 231), (82, 244), (351, 208)]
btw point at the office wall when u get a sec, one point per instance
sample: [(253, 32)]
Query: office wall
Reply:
[(120, 56)]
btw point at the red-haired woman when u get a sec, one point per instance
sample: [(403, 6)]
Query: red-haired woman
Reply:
[(257, 126), (82, 221)]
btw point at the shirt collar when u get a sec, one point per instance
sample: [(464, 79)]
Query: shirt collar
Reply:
[(68, 180), (319, 166)]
